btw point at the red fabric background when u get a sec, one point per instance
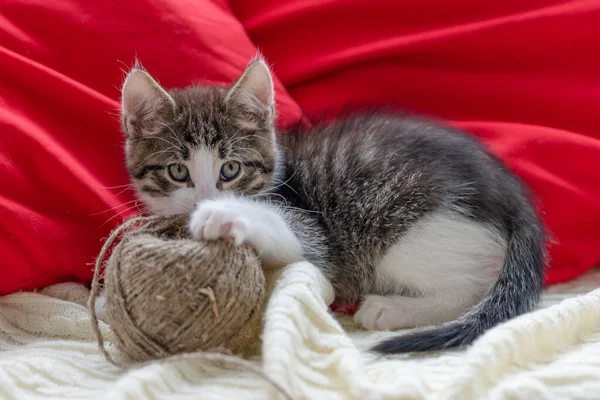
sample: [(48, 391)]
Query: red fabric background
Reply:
[(61, 157), (521, 75)]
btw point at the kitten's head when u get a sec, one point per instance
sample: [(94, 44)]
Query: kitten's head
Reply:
[(187, 145)]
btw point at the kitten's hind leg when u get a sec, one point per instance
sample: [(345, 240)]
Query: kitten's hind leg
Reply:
[(448, 261)]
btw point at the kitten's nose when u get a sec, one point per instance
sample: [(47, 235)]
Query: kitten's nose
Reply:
[(205, 190), (203, 174)]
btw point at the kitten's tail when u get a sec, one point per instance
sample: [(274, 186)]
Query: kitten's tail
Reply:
[(516, 291)]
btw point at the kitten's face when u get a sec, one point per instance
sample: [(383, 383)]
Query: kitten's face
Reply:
[(187, 145)]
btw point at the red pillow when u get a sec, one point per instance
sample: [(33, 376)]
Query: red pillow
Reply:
[(519, 75), (522, 75), (61, 157)]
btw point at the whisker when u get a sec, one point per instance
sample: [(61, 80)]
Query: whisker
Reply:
[(115, 187), (280, 184), (124, 190), (232, 137), (260, 155), (170, 160), (258, 195), (291, 188), (270, 141), (301, 210), (232, 142), (285, 206), (157, 152), (115, 115), (114, 208), (157, 138), (238, 155), (135, 206), (181, 145)]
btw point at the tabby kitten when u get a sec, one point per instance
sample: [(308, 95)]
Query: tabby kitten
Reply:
[(414, 220)]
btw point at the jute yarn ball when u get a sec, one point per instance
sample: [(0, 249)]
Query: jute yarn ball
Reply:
[(168, 294)]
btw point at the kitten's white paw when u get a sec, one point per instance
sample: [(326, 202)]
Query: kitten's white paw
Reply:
[(214, 220), (380, 313)]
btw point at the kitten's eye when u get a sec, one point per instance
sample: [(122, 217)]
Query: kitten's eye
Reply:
[(178, 172), (230, 170)]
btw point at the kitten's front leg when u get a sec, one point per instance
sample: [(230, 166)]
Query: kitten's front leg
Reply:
[(242, 220)]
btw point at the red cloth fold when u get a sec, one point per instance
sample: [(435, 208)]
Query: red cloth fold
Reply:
[(61, 157), (523, 76)]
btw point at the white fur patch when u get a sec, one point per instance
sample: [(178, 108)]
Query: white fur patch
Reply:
[(180, 201), (214, 220), (204, 170), (447, 263), (243, 220)]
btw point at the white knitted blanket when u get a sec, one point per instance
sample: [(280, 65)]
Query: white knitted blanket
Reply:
[(47, 351)]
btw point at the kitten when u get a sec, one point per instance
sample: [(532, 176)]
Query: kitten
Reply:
[(414, 220)]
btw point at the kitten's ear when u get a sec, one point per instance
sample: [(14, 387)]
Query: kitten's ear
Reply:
[(143, 102), (253, 92)]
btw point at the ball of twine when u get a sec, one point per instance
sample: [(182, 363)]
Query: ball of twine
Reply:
[(168, 296)]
